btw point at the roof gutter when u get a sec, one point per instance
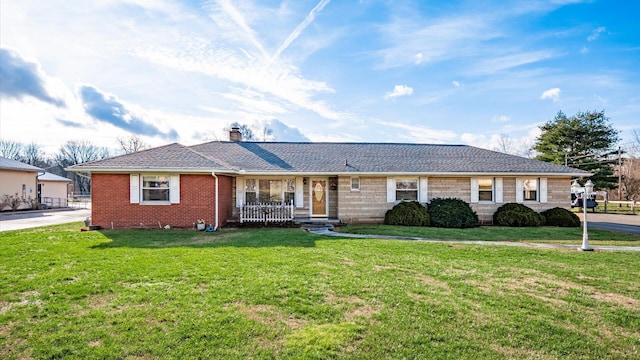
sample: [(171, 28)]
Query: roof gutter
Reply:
[(243, 172)]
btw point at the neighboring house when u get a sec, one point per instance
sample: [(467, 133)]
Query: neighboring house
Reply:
[(18, 178), (53, 190), (351, 182)]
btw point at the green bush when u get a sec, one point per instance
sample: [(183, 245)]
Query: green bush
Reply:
[(407, 213), (561, 217), (452, 213), (517, 215)]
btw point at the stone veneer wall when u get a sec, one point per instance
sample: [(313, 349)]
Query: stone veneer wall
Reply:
[(365, 206), (370, 203)]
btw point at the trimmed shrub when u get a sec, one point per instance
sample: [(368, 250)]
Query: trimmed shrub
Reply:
[(452, 213), (561, 217), (517, 215), (407, 213)]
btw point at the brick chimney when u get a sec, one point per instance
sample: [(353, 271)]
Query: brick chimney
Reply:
[(235, 135)]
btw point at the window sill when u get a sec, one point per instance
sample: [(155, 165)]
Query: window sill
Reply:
[(155, 203)]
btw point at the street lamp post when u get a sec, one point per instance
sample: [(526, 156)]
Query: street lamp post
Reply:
[(588, 190)]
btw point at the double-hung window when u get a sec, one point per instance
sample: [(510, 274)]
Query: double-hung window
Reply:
[(406, 189), (250, 191), (355, 184), (156, 188), (530, 189), (289, 190), (485, 189)]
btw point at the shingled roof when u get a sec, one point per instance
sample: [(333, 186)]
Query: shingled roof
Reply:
[(172, 157), (9, 164), (327, 158)]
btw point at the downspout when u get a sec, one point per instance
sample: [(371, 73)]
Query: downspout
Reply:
[(213, 173)]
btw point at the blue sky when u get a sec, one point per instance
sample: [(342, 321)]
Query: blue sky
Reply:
[(453, 72)]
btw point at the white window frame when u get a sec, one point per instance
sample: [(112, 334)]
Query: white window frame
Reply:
[(541, 192), (351, 182), (136, 189), (408, 179), (496, 190), (493, 190), (536, 182)]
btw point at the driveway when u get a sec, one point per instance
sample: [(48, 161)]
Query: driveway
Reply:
[(30, 219), (613, 222)]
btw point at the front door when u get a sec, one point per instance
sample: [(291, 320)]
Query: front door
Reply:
[(319, 198)]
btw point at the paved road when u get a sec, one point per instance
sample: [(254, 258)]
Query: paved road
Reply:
[(29, 219), (622, 223)]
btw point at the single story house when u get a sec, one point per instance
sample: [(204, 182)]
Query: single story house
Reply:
[(18, 178), (53, 190), (241, 181)]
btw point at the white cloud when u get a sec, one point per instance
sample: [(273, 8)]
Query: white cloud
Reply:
[(421, 134), (456, 83), (552, 94), (513, 60), (420, 58), (298, 30), (584, 50), (595, 34), (399, 90), (501, 118)]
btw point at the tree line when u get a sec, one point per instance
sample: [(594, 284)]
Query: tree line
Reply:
[(71, 153)]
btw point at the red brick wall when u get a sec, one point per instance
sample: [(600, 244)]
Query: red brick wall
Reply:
[(225, 198), (111, 206)]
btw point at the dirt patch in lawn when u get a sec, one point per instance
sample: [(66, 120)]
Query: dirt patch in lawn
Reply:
[(269, 315), (354, 307)]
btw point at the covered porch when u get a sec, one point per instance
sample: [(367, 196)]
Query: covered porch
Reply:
[(281, 199)]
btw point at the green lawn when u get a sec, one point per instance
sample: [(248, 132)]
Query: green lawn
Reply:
[(284, 293), (544, 234)]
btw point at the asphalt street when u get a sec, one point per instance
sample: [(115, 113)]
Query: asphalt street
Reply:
[(622, 223), (30, 219)]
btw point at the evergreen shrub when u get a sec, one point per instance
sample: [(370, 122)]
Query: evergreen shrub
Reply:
[(517, 215), (561, 217), (407, 213), (452, 213)]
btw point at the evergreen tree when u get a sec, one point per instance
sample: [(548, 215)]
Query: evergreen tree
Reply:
[(582, 140)]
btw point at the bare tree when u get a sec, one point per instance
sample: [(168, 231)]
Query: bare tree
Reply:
[(11, 149), (634, 149), (265, 132), (131, 144), (32, 154), (630, 172), (78, 152), (245, 130), (505, 144)]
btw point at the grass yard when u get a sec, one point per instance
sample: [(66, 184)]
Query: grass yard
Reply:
[(544, 234), (284, 293)]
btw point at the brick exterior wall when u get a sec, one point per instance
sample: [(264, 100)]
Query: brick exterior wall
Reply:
[(111, 205), (370, 203)]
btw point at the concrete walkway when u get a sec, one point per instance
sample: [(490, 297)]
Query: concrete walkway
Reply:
[(327, 231)]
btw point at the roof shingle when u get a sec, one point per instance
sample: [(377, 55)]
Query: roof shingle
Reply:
[(282, 157)]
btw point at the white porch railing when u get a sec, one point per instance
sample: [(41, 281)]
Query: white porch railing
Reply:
[(267, 212)]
